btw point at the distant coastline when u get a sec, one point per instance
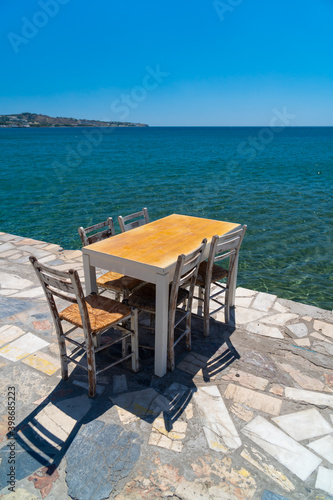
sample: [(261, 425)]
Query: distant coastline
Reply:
[(33, 120)]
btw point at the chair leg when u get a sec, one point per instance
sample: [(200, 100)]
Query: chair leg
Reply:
[(63, 359), (135, 341), (171, 358), (97, 340), (62, 351), (200, 301), (152, 320), (171, 349), (227, 308), (91, 370), (123, 348), (206, 312), (188, 334)]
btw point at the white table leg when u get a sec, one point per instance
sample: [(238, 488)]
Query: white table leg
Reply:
[(89, 275), (161, 324)]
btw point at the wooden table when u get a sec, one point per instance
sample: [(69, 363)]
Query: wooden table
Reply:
[(150, 253)]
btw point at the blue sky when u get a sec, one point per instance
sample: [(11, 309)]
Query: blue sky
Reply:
[(166, 62)]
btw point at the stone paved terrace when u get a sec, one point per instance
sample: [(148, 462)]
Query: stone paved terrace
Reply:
[(248, 414)]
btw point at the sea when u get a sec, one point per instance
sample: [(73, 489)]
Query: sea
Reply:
[(278, 181)]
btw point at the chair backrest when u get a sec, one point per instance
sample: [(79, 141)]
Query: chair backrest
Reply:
[(225, 247), (133, 220), (63, 284), (97, 236), (185, 275)]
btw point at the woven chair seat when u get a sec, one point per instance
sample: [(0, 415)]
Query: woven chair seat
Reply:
[(218, 273), (103, 312), (145, 297), (119, 282)]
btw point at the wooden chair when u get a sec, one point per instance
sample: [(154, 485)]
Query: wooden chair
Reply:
[(222, 248), (185, 275), (120, 284), (95, 314), (133, 220)]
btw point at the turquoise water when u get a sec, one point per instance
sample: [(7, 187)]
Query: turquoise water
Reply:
[(54, 180)]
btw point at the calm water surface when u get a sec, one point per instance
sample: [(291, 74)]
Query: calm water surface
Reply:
[(54, 180)]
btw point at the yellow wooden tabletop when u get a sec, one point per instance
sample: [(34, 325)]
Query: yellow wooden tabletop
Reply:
[(160, 242)]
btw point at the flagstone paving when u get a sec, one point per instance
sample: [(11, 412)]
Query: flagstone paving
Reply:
[(248, 414)]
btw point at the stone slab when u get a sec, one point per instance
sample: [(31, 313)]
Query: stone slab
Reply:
[(22, 347), (246, 379), (323, 447), (303, 342), (220, 432), (262, 463), (244, 315), (245, 292), (241, 412), (303, 380), (314, 398), (324, 328), (25, 463), (10, 307), (119, 383), (15, 257), (298, 329), (14, 281), (5, 247), (6, 292), (31, 293), (277, 390), (36, 252), (317, 335), (264, 330), (171, 439), (8, 333), (193, 363), (324, 480), (9, 253), (99, 388), (256, 400), (178, 396), (282, 447), (279, 319), (323, 347), (126, 417), (43, 362), (243, 301), (306, 424), (279, 307), (106, 449), (264, 301), (146, 403)]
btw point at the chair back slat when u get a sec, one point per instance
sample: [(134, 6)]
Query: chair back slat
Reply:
[(225, 247), (230, 241), (97, 236), (134, 220), (185, 274), (63, 284), (52, 282)]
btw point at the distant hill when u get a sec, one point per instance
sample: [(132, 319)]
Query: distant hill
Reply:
[(25, 120)]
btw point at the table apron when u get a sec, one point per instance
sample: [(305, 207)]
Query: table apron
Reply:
[(134, 269)]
